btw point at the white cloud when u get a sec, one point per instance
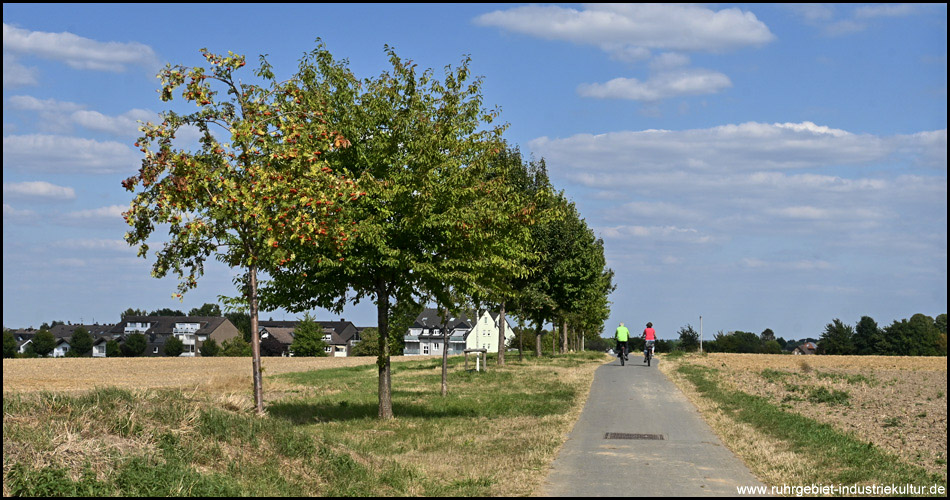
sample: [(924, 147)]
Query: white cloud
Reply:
[(626, 158), (13, 214), (658, 87), (38, 189), (620, 27), (76, 51), (62, 154), (58, 116), (653, 233), (94, 244), (110, 212), (798, 265), (885, 10), (16, 74)]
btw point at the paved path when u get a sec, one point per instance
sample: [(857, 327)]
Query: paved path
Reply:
[(635, 399)]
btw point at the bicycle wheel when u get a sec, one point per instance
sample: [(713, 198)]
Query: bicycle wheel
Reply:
[(622, 356)]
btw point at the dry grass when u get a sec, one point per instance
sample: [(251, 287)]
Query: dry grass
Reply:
[(222, 375), (897, 403)]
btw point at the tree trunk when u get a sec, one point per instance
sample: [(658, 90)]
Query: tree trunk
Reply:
[(501, 335), (255, 341), (382, 362), (564, 346), (537, 337), (445, 355), (521, 336)]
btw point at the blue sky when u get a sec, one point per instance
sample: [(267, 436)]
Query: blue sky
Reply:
[(761, 166)]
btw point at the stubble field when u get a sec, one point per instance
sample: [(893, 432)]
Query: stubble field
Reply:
[(897, 403), (219, 374)]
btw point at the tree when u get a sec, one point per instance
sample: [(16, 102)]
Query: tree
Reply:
[(43, 343), (689, 338), (173, 346), (134, 345), (368, 344), (113, 350), (132, 312), (236, 347), (838, 338), (80, 342), (166, 311), (867, 336), (209, 348), (419, 151), (772, 347), (207, 310), (308, 338), (247, 199), (767, 335), (9, 344)]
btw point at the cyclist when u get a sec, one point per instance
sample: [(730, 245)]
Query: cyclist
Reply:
[(622, 336), (649, 337)]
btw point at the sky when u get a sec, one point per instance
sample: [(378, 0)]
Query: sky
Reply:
[(748, 166)]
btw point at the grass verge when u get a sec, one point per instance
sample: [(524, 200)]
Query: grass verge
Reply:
[(783, 447), (494, 434)]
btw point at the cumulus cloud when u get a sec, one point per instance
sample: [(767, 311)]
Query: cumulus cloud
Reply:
[(620, 27), (38, 190), (660, 86), (60, 116), (16, 74), (76, 51), (62, 154), (110, 212)]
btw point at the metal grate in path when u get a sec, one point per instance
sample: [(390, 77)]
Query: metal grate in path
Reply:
[(626, 435)]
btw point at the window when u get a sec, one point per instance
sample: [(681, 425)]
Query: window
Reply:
[(425, 348), (155, 350)]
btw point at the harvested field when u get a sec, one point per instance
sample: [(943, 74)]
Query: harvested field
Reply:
[(897, 403), (218, 374)]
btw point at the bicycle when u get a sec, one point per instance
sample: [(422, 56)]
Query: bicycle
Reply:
[(623, 352), (648, 351)]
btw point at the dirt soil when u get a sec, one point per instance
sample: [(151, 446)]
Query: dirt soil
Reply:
[(897, 403)]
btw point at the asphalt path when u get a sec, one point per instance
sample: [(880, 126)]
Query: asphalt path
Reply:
[(613, 449)]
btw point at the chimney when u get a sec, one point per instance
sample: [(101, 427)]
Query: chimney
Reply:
[(342, 320)]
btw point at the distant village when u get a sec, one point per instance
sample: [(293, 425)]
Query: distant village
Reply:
[(192, 335)]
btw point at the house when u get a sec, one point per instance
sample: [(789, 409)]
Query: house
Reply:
[(467, 330), (62, 347), (806, 348), (340, 336), (191, 330), (100, 335), (23, 338), (276, 340)]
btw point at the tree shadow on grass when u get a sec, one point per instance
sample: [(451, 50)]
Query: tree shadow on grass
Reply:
[(304, 412)]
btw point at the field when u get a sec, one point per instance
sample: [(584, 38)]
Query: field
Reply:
[(214, 374), (898, 404), (186, 427)]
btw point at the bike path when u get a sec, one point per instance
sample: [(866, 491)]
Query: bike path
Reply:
[(635, 401)]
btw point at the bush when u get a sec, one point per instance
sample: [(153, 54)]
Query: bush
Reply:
[(235, 347), (174, 346), (112, 349), (134, 345), (209, 348)]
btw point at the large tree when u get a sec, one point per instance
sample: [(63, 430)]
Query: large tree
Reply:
[(420, 148), (255, 188), (308, 338), (838, 338)]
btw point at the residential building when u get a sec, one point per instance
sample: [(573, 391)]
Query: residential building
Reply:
[(806, 348), (467, 330), (340, 336), (191, 330)]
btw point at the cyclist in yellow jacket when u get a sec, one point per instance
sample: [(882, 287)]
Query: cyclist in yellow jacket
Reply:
[(622, 336)]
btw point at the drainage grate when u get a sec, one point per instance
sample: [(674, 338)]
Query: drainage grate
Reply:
[(625, 435)]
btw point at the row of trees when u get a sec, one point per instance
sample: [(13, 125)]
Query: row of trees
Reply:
[(921, 335), (326, 189)]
